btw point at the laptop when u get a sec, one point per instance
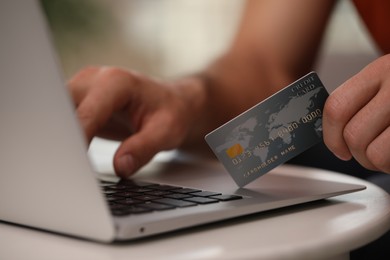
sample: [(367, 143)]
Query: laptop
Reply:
[(46, 178)]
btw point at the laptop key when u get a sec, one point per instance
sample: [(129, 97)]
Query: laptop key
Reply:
[(157, 192), (126, 194), (177, 196), (114, 206), (115, 187), (128, 201), (108, 192), (201, 200), (205, 193), (111, 198), (137, 210), (226, 197), (186, 190), (176, 203), (139, 189), (146, 197), (156, 206), (166, 187)]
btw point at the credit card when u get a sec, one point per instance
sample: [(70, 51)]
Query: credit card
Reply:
[(271, 132)]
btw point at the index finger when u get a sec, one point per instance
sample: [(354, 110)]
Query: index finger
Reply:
[(110, 93)]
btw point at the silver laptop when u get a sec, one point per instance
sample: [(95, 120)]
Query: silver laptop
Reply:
[(46, 179)]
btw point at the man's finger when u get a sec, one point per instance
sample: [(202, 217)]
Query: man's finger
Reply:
[(79, 84), (110, 94), (365, 126), (341, 107), (378, 151), (158, 134)]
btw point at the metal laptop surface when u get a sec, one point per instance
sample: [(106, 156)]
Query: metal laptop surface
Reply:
[(46, 179)]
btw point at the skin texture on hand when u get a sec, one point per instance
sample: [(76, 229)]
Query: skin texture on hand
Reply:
[(145, 115), (356, 118)]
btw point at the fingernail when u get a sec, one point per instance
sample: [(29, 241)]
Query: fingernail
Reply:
[(344, 157), (125, 166)]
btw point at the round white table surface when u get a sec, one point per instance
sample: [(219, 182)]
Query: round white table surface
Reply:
[(325, 229)]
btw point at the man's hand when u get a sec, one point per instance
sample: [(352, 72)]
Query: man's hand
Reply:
[(146, 115), (356, 118)]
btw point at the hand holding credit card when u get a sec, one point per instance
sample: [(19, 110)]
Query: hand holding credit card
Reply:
[(272, 132)]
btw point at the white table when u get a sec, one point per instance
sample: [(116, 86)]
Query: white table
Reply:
[(323, 230)]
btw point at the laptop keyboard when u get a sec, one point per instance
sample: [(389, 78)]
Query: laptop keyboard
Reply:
[(128, 197)]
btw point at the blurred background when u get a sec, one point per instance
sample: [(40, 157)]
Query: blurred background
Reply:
[(164, 38), (169, 38)]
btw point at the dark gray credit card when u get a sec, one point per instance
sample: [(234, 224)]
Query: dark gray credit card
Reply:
[(271, 132)]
